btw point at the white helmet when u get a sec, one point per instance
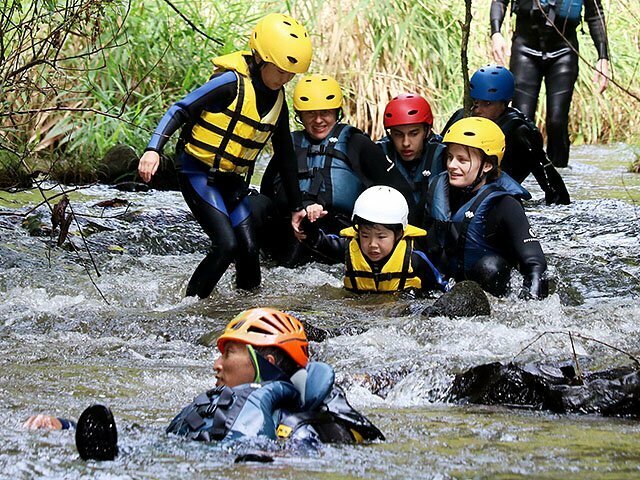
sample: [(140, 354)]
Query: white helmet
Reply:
[(381, 204)]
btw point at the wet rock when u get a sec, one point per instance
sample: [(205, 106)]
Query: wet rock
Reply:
[(465, 299), (119, 167), (209, 339), (551, 387), (35, 225), (317, 334)]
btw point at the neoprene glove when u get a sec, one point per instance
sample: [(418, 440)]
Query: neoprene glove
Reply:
[(535, 286)]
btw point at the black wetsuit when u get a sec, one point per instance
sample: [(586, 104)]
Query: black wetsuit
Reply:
[(371, 166), (539, 50), (506, 230), (218, 202), (524, 154)]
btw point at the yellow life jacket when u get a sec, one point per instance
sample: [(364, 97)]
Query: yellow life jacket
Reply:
[(231, 140), (397, 274)]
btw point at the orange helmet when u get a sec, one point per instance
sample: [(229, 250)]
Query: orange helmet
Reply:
[(268, 327)]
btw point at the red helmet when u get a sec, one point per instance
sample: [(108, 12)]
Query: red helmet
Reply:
[(268, 327), (406, 109)]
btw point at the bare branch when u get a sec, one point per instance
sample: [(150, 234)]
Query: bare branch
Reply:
[(191, 24)]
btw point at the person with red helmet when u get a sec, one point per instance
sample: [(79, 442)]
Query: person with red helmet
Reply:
[(411, 144), (265, 387)]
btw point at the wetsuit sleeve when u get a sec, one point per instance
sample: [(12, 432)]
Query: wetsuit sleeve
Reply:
[(374, 168), (214, 96), (284, 158), (331, 247), (67, 424), (509, 230), (429, 275), (594, 16), (497, 14), (532, 148)]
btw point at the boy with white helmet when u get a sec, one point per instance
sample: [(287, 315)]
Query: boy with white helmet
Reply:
[(378, 250)]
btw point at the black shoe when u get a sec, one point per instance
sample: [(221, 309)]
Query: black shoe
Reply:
[(96, 434)]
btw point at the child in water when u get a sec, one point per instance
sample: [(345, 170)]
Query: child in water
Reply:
[(378, 250)]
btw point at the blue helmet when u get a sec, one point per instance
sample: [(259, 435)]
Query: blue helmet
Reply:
[(492, 83)]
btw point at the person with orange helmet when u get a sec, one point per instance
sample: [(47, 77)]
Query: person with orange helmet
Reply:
[(411, 143), (225, 125), (265, 387)]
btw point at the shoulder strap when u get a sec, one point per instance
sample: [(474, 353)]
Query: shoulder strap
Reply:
[(468, 216), (322, 175), (235, 117)]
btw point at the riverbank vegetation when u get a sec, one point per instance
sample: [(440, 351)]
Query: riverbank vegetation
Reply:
[(80, 76)]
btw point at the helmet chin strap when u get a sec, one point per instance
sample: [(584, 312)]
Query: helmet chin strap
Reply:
[(479, 178), (265, 371)]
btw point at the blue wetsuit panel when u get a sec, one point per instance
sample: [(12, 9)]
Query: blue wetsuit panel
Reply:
[(197, 173), (215, 96)]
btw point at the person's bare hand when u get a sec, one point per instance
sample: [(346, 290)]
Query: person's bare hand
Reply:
[(315, 212), (296, 218), (499, 48), (601, 76), (44, 422), (148, 165)]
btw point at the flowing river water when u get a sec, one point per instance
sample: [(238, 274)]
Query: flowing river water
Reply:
[(139, 349)]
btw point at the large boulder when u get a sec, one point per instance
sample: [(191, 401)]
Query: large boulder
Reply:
[(554, 387), (119, 167)]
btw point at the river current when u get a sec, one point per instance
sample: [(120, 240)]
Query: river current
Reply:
[(129, 339)]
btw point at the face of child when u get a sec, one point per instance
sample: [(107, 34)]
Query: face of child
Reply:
[(408, 140), (319, 123), (234, 366), (376, 241), (273, 77), (463, 164)]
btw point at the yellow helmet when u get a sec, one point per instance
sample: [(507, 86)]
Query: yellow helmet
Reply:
[(479, 133), (317, 92), (281, 40)]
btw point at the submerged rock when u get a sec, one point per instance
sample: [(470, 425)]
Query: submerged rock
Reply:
[(465, 299), (554, 387)]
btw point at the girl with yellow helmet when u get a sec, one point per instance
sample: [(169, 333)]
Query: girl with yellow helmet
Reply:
[(336, 162), (477, 227), (225, 124)]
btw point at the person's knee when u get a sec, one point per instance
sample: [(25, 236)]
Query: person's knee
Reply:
[(556, 122), (493, 273), (224, 246)]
